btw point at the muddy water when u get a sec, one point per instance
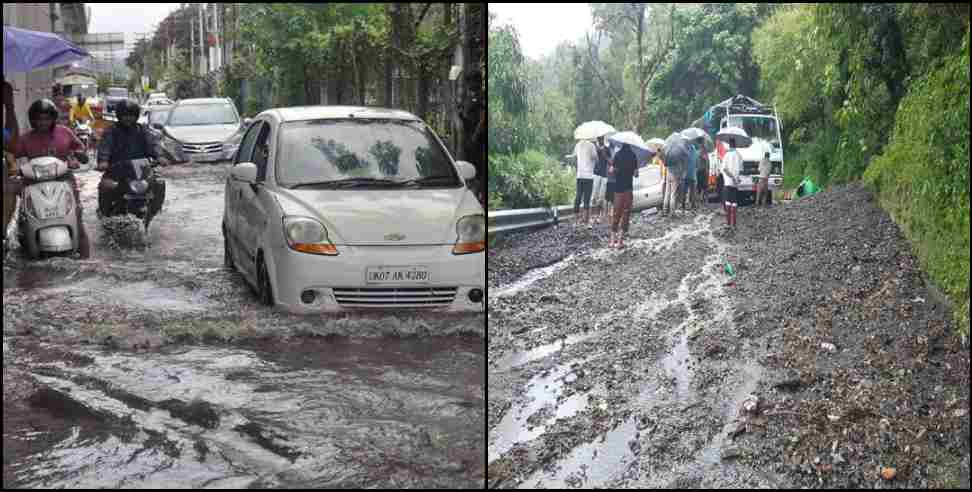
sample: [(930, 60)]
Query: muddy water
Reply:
[(369, 400), (672, 398), (335, 412)]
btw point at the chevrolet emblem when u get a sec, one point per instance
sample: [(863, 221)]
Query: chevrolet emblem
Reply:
[(394, 237)]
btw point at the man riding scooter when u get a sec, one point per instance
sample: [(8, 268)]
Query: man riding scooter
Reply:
[(80, 118), (126, 141), (50, 139)]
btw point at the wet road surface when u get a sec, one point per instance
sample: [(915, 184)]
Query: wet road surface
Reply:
[(155, 367)]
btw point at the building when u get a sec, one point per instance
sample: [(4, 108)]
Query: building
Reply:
[(67, 19)]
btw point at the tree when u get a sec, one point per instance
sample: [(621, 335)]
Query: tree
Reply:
[(653, 42)]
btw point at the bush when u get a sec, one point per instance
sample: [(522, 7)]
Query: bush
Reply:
[(922, 178), (528, 180)]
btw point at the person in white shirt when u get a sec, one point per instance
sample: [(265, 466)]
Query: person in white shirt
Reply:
[(586, 160), (762, 190), (731, 165)]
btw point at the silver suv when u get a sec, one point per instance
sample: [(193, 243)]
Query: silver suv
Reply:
[(202, 130)]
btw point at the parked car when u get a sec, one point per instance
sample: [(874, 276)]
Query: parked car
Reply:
[(114, 96), (154, 117), (159, 101), (335, 208), (202, 130)]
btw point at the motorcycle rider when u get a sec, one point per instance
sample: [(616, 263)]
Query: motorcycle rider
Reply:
[(47, 138), (126, 140), (81, 111)]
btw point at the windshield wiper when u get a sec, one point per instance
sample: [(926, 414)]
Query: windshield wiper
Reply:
[(349, 183), (432, 180)]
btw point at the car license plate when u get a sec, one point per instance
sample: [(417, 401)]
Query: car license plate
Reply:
[(206, 157), (398, 275), (50, 213)]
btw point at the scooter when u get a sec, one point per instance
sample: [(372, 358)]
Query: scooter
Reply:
[(140, 191), (48, 221), (82, 128)]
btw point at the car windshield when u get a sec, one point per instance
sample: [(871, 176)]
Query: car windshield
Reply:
[(118, 92), (756, 127), (320, 151), (203, 114)]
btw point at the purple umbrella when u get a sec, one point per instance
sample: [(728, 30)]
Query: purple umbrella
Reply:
[(25, 50)]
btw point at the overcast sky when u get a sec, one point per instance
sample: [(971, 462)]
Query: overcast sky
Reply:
[(542, 26), (129, 18)]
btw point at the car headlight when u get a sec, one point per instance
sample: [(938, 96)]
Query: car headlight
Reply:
[(307, 235), (472, 235)]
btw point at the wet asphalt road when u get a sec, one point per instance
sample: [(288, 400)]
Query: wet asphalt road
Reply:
[(155, 367)]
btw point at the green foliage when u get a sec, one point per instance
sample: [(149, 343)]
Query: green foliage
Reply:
[(923, 176), (528, 180)]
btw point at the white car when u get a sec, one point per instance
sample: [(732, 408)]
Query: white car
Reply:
[(337, 208)]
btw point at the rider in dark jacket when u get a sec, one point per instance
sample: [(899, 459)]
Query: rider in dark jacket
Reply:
[(127, 140)]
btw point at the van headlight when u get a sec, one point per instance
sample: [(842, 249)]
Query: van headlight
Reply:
[(307, 235), (471, 230)]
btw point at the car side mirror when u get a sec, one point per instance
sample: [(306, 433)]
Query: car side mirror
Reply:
[(246, 122), (245, 172), (466, 170)]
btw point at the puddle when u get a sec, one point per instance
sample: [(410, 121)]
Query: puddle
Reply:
[(677, 365), (532, 277), (542, 390), (518, 359), (590, 465), (314, 413)]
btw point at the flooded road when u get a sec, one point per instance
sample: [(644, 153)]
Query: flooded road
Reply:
[(156, 367)]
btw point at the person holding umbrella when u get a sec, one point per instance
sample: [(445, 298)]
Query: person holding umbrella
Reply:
[(675, 155), (587, 157), (625, 167), (731, 167)]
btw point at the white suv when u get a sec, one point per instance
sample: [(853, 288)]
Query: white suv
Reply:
[(334, 208), (202, 130)]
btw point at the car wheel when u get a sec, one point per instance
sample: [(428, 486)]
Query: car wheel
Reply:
[(264, 290), (227, 255)]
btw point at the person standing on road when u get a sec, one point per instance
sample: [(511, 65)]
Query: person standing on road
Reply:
[(600, 181), (47, 138), (731, 165), (624, 167), (762, 189), (586, 160), (687, 187), (701, 173)]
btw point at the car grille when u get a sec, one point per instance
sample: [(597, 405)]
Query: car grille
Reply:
[(389, 297), (202, 148)]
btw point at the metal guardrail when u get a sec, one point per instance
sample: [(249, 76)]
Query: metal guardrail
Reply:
[(509, 221)]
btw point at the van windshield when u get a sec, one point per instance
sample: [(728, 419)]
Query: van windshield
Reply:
[(762, 127)]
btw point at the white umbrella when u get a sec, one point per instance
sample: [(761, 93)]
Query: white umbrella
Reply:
[(592, 130), (657, 143), (642, 150), (692, 133), (735, 133), (697, 133)]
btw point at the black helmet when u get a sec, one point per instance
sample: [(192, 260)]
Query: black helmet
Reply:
[(81, 99), (128, 107), (42, 106)]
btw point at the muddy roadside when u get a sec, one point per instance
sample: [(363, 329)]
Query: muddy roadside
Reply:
[(794, 373)]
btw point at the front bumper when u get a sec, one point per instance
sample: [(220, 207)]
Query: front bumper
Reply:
[(339, 283)]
